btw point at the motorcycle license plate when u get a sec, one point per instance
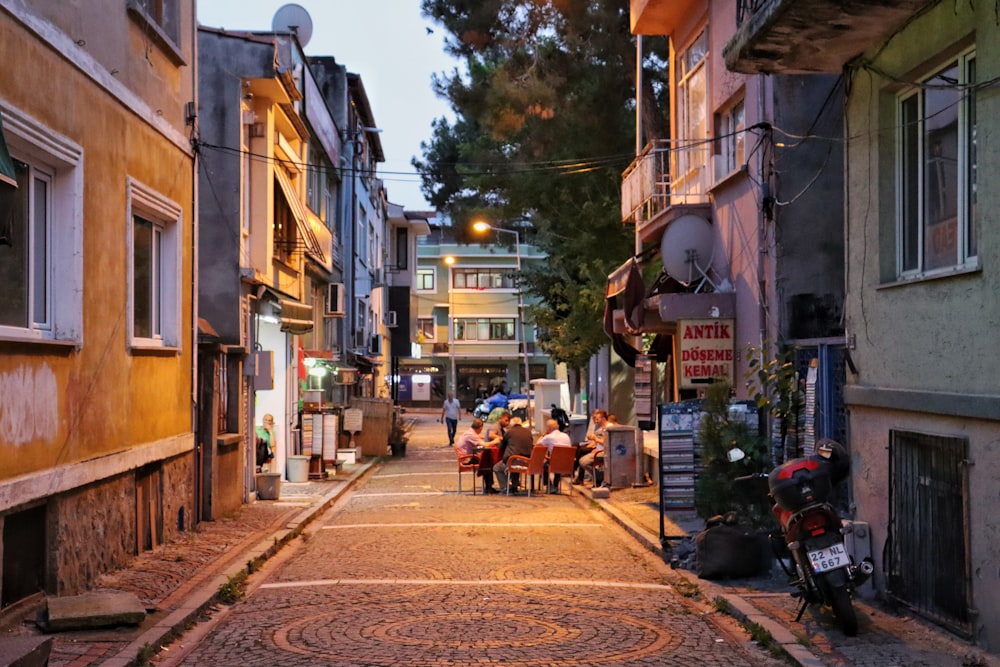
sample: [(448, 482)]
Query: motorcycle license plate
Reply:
[(831, 558)]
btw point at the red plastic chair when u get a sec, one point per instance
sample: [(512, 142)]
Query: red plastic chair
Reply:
[(562, 461), (467, 463), (528, 466)]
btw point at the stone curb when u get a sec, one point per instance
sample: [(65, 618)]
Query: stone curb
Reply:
[(178, 620), (739, 608)]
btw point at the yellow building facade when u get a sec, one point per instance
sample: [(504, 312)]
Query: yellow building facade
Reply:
[(97, 398)]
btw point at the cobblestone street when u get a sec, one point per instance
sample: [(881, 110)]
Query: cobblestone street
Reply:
[(405, 571)]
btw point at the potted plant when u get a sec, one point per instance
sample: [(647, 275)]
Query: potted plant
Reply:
[(399, 434)]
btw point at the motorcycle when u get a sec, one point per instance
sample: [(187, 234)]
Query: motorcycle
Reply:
[(824, 572)]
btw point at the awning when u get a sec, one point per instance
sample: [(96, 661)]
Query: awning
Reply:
[(7, 173), (296, 317), (299, 213)]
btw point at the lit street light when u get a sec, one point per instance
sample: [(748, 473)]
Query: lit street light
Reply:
[(481, 227)]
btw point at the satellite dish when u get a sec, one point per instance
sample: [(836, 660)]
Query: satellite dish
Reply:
[(686, 249), (293, 18)]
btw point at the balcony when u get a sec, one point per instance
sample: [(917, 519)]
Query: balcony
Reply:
[(811, 36), (648, 191)]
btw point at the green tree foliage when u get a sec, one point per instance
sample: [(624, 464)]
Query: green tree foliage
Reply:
[(715, 490), (544, 127)]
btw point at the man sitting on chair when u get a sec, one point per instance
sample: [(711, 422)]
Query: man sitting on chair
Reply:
[(553, 437), (517, 441)]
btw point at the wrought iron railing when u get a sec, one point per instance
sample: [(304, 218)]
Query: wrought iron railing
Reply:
[(665, 174)]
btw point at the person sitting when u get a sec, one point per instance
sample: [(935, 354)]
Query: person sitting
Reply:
[(596, 439), (468, 447), (496, 432), (554, 437), (516, 441)]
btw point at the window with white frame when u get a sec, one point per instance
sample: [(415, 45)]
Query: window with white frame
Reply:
[(485, 328), (425, 327), (732, 136), (154, 268), (936, 171), (425, 279), (41, 236), (693, 118), (482, 279)]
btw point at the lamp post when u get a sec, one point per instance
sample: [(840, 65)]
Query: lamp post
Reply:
[(485, 226), (449, 261)]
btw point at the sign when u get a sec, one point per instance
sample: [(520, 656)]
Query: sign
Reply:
[(705, 352), (352, 420)]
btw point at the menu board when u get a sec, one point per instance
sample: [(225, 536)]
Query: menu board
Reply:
[(330, 422), (352, 420)]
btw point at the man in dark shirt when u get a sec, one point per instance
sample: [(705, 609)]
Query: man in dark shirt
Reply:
[(517, 441)]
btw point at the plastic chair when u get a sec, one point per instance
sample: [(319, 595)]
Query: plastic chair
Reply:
[(467, 463), (527, 466), (562, 461)]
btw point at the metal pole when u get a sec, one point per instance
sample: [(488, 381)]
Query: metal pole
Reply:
[(451, 333), (524, 329)]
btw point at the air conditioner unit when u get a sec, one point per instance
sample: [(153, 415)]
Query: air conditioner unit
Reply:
[(359, 339), (390, 318), (335, 300)]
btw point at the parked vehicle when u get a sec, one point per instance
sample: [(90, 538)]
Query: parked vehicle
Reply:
[(821, 569)]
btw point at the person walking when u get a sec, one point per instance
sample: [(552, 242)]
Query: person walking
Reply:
[(451, 409)]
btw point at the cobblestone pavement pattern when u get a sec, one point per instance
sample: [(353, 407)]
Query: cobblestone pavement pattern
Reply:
[(406, 571)]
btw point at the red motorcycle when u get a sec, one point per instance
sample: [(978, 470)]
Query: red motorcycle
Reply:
[(824, 572)]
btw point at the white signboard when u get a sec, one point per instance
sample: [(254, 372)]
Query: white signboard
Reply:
[(352, 420), (705, 352)]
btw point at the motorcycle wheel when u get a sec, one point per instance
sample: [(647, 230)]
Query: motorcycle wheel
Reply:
[(840, 601)]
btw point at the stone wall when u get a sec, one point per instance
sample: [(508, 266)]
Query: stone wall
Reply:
[(91, 531)]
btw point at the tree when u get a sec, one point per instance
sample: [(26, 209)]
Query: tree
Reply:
[(544, 128)]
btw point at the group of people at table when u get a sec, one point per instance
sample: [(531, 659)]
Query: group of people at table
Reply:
[(491, 448)]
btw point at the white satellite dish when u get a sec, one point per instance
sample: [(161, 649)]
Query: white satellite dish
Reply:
[(686, 249), (293, 18)]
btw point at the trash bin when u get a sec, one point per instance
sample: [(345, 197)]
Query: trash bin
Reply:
[(268, 485), (297, 468), (620, 458), (577, 428)]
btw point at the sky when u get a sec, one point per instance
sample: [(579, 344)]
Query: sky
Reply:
[(385, 41)]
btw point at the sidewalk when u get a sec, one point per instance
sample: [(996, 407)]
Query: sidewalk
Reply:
[(886, 638), (179, 582)]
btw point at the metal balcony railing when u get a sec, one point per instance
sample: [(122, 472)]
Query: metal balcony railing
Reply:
[(747, 8), (647, 186)]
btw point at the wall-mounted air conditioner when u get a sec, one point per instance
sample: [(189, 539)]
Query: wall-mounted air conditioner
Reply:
[(390, 319), (335, 300)]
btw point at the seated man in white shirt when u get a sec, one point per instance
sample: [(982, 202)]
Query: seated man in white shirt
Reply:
[(553, 437)]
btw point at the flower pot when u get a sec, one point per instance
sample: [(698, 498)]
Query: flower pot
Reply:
[(268, 485)]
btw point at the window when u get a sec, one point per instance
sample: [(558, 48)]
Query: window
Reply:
[(485, 328), (425, 328), (161, 23), (41, 236), (732, 151), (153, 239), (320, 186), (483, 279), (402, 248), (284, 227), (425, 279), (693, 118), (936, 171)]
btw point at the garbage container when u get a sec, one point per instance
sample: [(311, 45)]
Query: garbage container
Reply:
[(298, 469), (577, 428), (268, 485), (620, 458)]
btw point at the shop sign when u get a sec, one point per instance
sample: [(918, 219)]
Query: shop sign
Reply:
[(705, 352)]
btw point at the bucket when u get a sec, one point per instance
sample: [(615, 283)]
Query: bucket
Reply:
[(298, 469), (268, 485)]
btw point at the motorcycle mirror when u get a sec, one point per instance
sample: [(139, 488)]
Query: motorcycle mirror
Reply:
[(825, 450), (736, 454)]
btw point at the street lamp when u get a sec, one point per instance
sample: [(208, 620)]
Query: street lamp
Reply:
[(481, 227), (450, 261)]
